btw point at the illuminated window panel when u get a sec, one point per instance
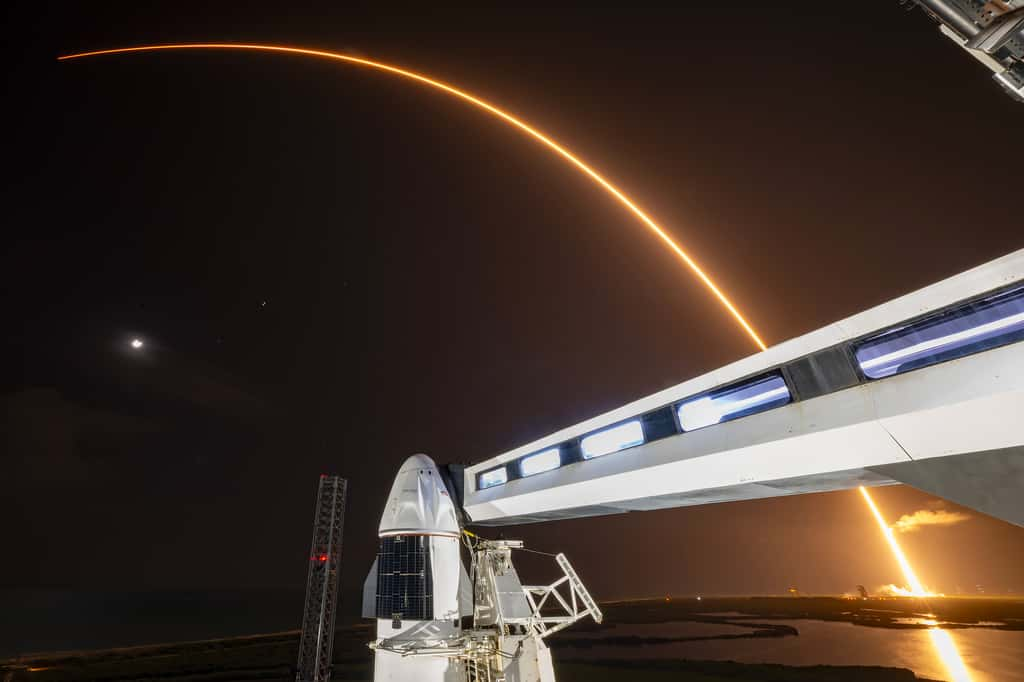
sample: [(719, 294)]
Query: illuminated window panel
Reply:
[(489, 479), (612, 440), (988, 323), (540, 462), (752, 397)]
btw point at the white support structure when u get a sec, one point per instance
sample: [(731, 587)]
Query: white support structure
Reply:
[(941, 412), (506, 642), (538, 595), (420, 595)]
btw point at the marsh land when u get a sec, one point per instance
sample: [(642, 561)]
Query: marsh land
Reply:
[(776, 639)]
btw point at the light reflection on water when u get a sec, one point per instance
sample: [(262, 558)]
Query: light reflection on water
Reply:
[(963, 655), (949, 654)]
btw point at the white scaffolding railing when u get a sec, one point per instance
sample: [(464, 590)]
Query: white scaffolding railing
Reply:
[(575, 605)]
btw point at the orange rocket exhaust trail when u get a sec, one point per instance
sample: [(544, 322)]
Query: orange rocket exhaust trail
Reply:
[(916, 588), (489, 108), (945, 648)]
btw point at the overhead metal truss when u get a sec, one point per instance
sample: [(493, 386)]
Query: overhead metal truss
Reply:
[(575, 605)]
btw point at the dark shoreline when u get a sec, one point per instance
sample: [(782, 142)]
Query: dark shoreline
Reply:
[(567, 640), (268, 657), (271, 656), (879, 612)]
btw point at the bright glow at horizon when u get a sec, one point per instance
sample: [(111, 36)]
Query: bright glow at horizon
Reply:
[(916, 588), (491, 109), (707, 410), (137, 344), (942, 641), (612, 440), (540, 462)]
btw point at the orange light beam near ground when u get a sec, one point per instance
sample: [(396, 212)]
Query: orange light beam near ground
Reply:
[(947, 652), (942, 641), (916, 588), (489, 108)]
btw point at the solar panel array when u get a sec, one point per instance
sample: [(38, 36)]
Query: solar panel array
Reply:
[(404, 580)]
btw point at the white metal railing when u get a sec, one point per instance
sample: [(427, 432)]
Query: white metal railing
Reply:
[(538, 597)]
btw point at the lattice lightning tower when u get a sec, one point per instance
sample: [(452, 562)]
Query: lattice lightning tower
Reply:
[(317, 642)]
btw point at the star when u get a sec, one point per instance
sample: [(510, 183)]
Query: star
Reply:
[(137, 343)]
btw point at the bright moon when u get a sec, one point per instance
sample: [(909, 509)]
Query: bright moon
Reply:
[(136, 343)]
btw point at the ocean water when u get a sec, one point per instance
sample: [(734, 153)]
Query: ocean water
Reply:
[(54, 620), (965, 655)]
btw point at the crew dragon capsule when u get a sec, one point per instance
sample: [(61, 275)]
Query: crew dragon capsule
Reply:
[(415, 585)]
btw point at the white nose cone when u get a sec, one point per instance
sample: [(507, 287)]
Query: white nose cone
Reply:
[(419, 503)]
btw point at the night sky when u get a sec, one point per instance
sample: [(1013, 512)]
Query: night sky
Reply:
[(333, 269)]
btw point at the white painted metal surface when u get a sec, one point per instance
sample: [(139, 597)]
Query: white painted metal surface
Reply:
[(419, 503), (834, 441), (419, 509), (417, 643)]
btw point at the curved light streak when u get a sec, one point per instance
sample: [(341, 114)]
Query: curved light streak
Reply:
[(489, 108)]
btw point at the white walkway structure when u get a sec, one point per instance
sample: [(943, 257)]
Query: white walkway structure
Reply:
[(926, 390)]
